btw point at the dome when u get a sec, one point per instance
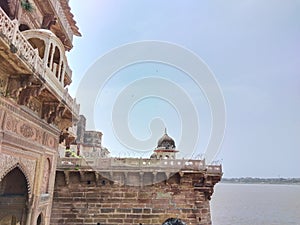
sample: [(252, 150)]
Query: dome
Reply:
[(166, 141)]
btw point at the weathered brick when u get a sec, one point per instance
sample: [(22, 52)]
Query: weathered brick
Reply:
[(116, 204)]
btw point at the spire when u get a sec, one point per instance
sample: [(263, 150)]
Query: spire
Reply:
[(165, 130)]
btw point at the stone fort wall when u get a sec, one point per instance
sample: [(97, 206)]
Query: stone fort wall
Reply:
[(89, 197)]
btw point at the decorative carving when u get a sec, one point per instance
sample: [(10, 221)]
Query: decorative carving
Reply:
[(11, 124), (8, 106), (26, 131), (39, 136), (49, 111), (6, 162), (46, 175), (27, 93), (35, 106), (30, 165), (61, 109), (50, 141), (16, 84), (30, 132), (27, 166)]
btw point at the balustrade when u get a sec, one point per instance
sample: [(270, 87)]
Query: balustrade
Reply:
[(9, 31), (142, 164)]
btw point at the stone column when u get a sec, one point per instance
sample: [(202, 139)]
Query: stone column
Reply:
[(52, 56), (29, 210), (59, 68), (46, 53)]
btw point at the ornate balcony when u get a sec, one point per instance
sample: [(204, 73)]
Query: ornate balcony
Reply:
[(34, 71)]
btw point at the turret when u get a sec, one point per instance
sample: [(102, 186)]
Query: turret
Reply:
[(166, 148)]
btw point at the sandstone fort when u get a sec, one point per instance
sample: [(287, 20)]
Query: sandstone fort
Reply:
[(53, 170)]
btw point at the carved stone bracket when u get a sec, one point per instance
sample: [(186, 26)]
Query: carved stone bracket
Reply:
[(49, 111), (27, 93), (52, 111), (16, 84)]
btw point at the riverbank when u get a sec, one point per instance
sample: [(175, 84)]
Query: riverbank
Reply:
[(251, 180)]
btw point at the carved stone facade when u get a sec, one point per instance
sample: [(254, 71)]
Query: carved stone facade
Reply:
[(36, 118), (26, 144), (35, 106)]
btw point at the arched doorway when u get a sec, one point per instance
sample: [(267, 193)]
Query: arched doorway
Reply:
[(13, 198)]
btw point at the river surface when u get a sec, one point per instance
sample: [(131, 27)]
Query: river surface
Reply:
[(255, 204)]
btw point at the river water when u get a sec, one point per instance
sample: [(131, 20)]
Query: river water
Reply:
[(255, 204)]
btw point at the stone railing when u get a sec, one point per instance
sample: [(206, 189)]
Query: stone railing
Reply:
[(214, 169), (62, 17), (9, 31), (112, 164), (71, 102), (18, 43), (69, 71)]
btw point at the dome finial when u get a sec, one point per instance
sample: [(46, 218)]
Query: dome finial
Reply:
[(165, 130)]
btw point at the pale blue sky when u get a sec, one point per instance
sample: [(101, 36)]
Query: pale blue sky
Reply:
[(252, 47)]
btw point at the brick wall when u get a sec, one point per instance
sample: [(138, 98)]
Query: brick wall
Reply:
[(89, 198)]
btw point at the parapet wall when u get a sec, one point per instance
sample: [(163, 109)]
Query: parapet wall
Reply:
[(132, 196)]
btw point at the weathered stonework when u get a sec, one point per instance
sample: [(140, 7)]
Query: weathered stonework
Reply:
[(35, 106), (36, 116), (127, 194)]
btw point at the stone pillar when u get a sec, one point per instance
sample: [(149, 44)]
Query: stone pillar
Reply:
[(46, 53), (52, 56), (63, 75), (59, 68), (29, 210)]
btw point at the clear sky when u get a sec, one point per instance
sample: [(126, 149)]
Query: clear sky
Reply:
[(252, 48)]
